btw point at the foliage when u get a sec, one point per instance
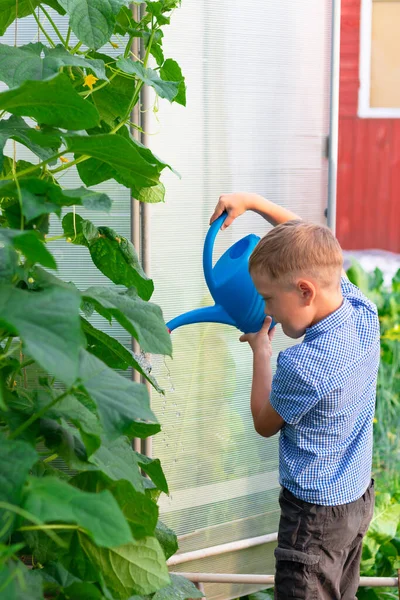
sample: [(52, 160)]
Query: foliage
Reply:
[(87, 522), (381, 549), (387, 421)]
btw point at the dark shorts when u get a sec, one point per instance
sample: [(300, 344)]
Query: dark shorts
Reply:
[(319, 547)]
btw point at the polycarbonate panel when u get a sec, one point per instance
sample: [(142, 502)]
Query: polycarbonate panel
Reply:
[(256, 120)]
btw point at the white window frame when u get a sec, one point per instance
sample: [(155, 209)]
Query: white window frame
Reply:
[(365, 110)]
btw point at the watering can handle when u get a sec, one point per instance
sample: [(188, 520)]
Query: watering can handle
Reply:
[(208, 251)]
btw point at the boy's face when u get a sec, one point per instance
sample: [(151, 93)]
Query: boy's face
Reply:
[(291, 305)]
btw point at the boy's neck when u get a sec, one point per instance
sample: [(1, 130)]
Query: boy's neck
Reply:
[(326, 306)]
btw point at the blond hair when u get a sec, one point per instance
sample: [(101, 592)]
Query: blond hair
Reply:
[(299, 248)]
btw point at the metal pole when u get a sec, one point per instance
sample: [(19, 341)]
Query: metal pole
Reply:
[(200, 587), (135, 207), (334, 115), (269, 579), (145, 230), (179, 559)]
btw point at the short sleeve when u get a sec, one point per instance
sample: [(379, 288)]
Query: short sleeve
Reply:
[(292, 395), (355, 295)]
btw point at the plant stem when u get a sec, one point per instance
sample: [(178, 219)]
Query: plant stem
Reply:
[(7, 354), (70, 164), (36, 416), (54, 238), (68, 37), (50, 458), (138, 87), (8, 344), (131, 105), (27, 363), (76, 48), (29, 517), (128, 46), (51, 526), (60, 37), (42, 29), (19, 196), (35, 167)]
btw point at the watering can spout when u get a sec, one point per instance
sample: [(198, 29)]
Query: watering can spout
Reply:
[(209, 314)]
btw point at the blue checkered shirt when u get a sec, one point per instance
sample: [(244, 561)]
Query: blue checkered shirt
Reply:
[(324, 389)]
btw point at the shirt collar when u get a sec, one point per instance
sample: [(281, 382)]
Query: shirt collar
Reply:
[(332, 321)]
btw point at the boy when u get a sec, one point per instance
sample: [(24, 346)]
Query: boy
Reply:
[(321, 399)]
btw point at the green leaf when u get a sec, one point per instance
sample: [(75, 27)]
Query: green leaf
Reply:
[(89, 199), (17, 582), (125, 23), (123, 406), (43, 144), (396, 282), (81, 414), (136, 568), (143, 320), (358, 276), (76, 562), (106, 348), (165, 89), (40, 197), (54, 342), (8, 10), (53, 500), (114, 354), (113, 255), (116, 158), (54, 572), (61, 440), (73, 229), (139, 510), (179, 589), (152, 195), (82, 591), (152, 467), (385, 521), (53, 102), (30, 245), (156, 49), (167, 539), (16, 460), (7, 552), (9, 261), (38, 62), (92, 21), (118, 461), (171, 71), (113, 100), (376, 280)]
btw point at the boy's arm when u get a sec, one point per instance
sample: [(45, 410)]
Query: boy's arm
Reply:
[(237, 204), (273, 213), (267, 421)]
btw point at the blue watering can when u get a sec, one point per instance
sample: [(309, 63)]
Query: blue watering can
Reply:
[(237, 301)]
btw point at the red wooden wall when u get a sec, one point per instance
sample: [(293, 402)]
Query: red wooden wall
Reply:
[(368, 211)]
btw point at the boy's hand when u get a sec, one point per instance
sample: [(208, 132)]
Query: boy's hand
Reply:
[(261, 341), (234, 204)]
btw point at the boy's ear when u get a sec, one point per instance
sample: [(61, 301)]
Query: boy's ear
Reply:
[(307, 291)]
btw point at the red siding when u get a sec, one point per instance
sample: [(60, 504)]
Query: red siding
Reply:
[(368, 213)]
